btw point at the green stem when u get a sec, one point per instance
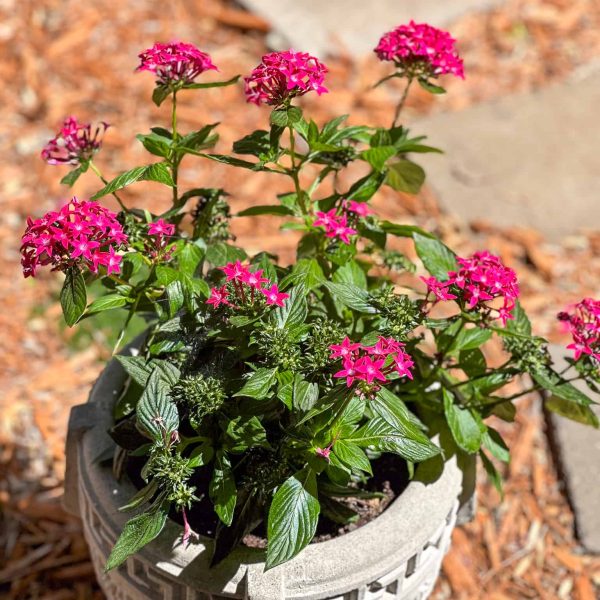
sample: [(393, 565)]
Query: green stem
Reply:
[(294, 172), (402, 101), (174, 159), (96, 170)]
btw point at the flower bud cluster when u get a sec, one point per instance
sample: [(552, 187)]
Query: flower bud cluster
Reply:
[(75, 143), (202, 395)]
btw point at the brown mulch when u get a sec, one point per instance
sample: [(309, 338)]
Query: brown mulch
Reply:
[(65, 57)]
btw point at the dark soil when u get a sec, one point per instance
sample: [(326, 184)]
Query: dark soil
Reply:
[(390, 479)]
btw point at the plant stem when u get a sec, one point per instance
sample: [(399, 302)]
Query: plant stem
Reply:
[(402, 101), (96, 170), (294, 172), (174, 158)]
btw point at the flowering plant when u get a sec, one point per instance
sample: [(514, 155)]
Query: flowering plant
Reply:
[(264, 393)]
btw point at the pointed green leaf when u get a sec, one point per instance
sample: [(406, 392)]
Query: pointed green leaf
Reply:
[(73, 296), (436, 256), (222, 489)]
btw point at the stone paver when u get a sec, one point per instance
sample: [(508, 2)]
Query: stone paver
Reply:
[(315, 25), (528, 160), (578, 449)]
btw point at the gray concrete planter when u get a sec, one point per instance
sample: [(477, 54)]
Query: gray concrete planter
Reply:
[(398, 555)]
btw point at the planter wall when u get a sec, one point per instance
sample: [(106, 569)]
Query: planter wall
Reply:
[(398, 555)]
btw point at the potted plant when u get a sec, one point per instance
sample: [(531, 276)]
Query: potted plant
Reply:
[(267, 406)]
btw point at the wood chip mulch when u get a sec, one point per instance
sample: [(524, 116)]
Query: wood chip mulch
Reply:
[(65, 57)]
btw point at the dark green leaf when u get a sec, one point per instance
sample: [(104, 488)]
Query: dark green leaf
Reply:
[(222, 489), (410, 443), (470, 339), (160, 94), (156, 172), (293, 517), (305, 394), (156, 144), (365, 188), (492, 473), (137, 532), (520, 323), (431, 87), (72, 176), (351, 273), (211, 84), (405, 176), (493, 442), (245, 433), (274, 209), (293, 312), (436, 256), (378, 156), (258, 384), (220, 254), (352, 455), (466, 426), (156, 414), (404, 230), (73, 296), (351, 296), (107, 302)]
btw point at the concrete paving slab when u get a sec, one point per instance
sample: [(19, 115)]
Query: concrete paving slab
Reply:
[(527, 160), (578, 449), (315, 25)]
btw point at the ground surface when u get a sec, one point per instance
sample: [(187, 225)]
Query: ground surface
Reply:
[(65, 57)]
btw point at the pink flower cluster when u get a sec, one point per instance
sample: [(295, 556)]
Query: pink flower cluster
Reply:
[(421, 49), (160, 230), (371, 364), (80, 233), (336, 226), (481, 278), (584, 325), (244, 283), (74, 143), (283, 75), (176, 62)]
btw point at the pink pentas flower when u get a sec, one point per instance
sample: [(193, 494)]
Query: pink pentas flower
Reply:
[(75, 143), (254, 279), (480, 279), (82, 234), (274, 296), (284, 75), (583, 323), (323, 452), (362, 209), (421, 50), (370, 364), (161, 228), (335, 226), (218, 296), (325, 219), (176, 62), (235, 271)]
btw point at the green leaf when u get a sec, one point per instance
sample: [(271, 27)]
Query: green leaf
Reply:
[(156, 172), (197, 140), (73, 296), (222, 489), (405, 176), (293, 517), (365, 188), (351, 296), (336, 511), (137, 532), (257, 144), (107, 302), (404, 230), (156, 144), (220, 254), (472, 362), (470, 339), (436, 256), (72, 176), (352, 274), (520, 322), (137, 367), (275, 209), (492, 473), (571, 410), (211, 84), (431, 87), (259, 384), (156, 414), (305, 394), (141, 497), (352, 456), (189, 258), (393, 410), (293, 312), (245, 433), (160, 94), (279, 117), (234, 162), (493, 442), (378, 156), (410, 443), (466, 427)]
